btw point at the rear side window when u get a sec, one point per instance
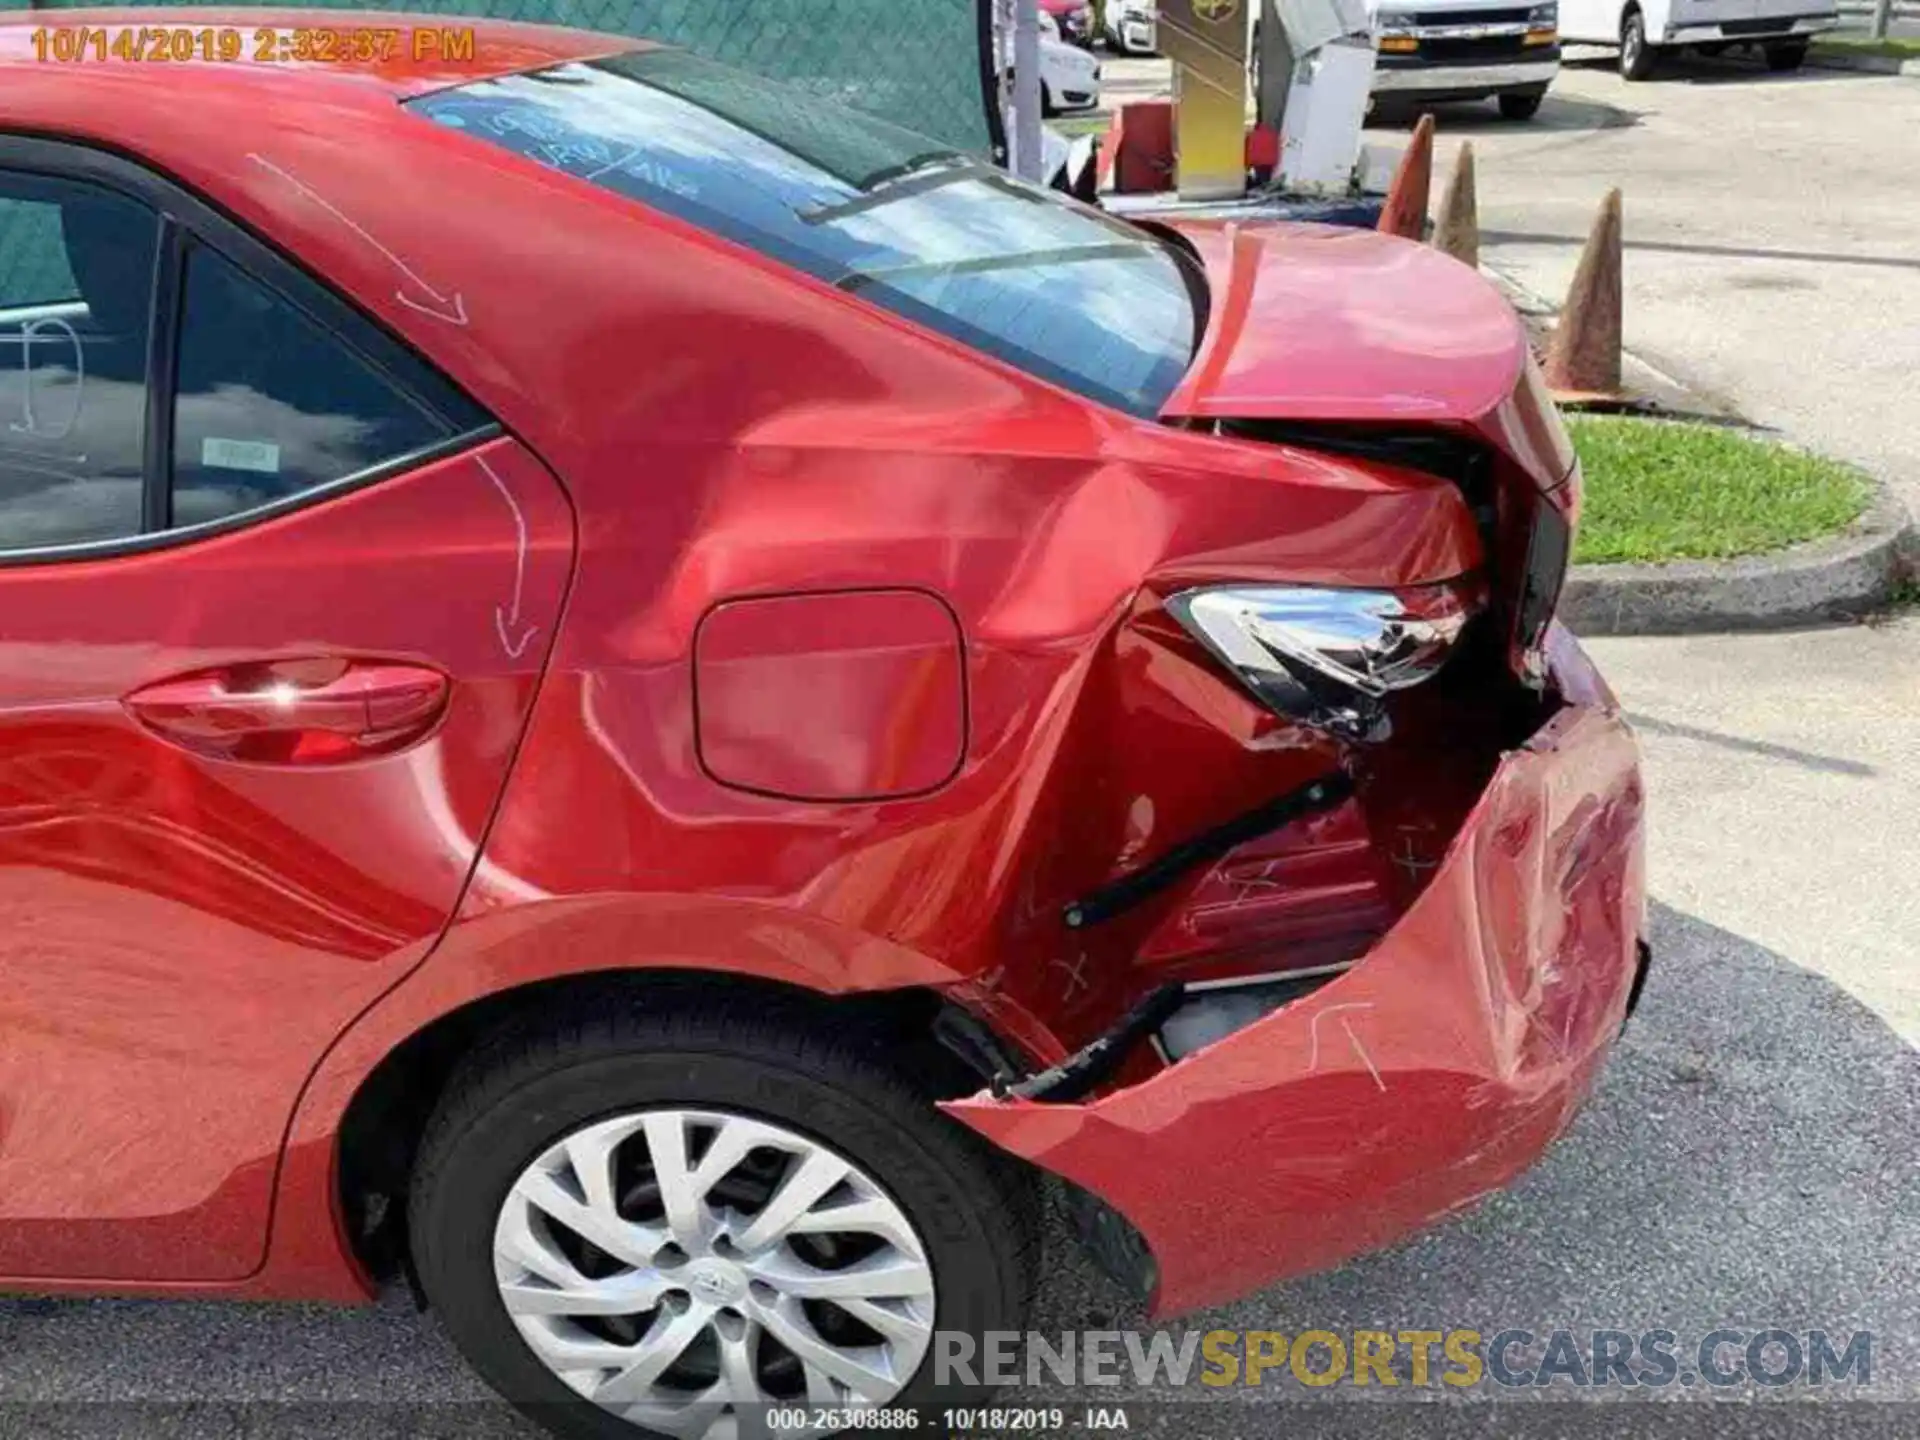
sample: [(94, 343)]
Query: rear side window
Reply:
[(1013, 270), (268, 404), (76, 303)]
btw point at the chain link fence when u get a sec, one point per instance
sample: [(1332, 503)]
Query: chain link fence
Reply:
[(923, 64), (919, 63), (33, 259)]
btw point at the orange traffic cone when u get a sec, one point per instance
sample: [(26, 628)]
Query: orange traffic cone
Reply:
[(1405, 213), (1583, 362), (1458, 230)]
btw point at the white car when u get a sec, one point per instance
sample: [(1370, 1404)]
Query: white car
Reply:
[(1069, 76), (1781, 29), (1132, 26)]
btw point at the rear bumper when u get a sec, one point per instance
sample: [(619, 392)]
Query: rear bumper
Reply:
[(1489, 79), (1431, 1073)]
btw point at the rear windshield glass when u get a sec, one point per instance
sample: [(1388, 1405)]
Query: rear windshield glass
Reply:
[(1017, 271)]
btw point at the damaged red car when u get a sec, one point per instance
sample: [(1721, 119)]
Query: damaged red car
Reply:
[(652, 702)]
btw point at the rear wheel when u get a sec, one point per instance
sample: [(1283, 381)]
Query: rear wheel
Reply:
[(1790, 55), (1522, 104), (1636, 55), (661, 1223)]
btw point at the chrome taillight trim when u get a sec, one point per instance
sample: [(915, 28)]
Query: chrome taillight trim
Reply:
[(1327, 657)]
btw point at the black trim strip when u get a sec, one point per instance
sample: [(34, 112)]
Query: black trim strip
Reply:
[(1093, 1064), (1502, 59), (1128, 891), (300, 500), (1768, 27), (163, 363)]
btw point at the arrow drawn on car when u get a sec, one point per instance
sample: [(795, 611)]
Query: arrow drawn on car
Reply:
[(452, 309), (506, 618), (1313, 1035)]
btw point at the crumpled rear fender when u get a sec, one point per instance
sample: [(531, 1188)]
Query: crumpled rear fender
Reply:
[(1431, 1073)]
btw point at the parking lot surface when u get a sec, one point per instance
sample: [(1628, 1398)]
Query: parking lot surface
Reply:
[(1772, 227)]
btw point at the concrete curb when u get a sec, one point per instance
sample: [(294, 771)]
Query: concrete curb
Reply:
[(1839, 578), (1872, 64)]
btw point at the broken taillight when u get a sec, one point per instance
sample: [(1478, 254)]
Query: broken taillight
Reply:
[(1329, 658)]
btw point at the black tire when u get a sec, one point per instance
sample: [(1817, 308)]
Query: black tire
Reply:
[(1522, 104), (1786, 57), (1636, 55), (975, 1211)]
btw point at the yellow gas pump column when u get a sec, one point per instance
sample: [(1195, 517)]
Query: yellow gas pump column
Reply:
[(1207, 42)]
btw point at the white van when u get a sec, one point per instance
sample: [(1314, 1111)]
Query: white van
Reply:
[(1642, 28), (1466, 50)]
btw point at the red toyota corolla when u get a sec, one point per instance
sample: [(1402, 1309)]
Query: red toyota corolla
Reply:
[(653, 698)]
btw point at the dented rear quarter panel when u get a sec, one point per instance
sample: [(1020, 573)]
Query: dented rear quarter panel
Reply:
[(1430, 1074)]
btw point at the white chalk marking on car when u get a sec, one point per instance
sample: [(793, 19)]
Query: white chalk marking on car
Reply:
[(452, 309)]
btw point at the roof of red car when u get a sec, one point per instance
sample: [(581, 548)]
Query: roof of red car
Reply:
[(500, 47)]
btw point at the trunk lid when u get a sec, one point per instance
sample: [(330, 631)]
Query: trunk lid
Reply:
[(1368, 343), (1334, 325)]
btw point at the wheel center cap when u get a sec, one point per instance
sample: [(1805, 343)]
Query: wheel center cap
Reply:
[(719, 1282)]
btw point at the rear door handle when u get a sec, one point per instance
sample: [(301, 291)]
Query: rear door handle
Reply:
[(295, 712)]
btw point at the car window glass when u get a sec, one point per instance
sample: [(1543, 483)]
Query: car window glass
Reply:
[(268, 404), (1016, 271), (76, 306)]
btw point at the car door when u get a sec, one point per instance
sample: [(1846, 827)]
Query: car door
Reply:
[(274, 602)]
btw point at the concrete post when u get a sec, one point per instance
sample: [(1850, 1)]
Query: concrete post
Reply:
[(1882, 17), (1276, 58), (1026, 89)]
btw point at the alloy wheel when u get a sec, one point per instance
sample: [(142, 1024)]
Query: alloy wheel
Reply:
[(679, 1266)]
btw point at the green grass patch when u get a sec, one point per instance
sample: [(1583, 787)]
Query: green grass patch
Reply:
[(1894, 47), (1663, 490), (1080, 123)]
